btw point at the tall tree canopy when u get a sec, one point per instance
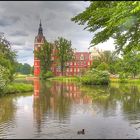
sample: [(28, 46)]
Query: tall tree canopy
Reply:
[(44, 55), (7, 56), (113, 19), (106, 60), (23, 68), (130, 64), (64, 52)]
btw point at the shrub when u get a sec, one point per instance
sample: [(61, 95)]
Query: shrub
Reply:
[(103, 66), (45, 75), (48, 74), (95, 77), (18, 88), (4, 78), (123, 77)]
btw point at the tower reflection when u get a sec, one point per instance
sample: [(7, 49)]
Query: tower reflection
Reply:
[(55, 99)]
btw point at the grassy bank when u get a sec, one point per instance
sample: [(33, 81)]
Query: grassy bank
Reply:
[(17, 88), (112, 80), (64, 78), (117, 80), (22, 77)]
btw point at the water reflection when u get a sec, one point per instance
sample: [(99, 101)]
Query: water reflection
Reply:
[(54, 99), (59, 109)]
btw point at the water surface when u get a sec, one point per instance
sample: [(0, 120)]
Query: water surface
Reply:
[(59, 110)]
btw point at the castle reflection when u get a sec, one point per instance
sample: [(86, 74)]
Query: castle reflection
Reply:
[(54, 99)]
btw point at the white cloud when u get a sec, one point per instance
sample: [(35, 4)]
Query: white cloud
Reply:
[(56, 20)]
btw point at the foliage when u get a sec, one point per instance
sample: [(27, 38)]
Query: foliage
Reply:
[(103, 66), (106, 60), (65, 78), (132, 63), (64, 52), (4, 78), (123, 77), (23, 68), (46, 75), (126, 80), (18, 88), (113, 19), (44, 55), (95, 63), (129, 64), (7, 57), (95, 77)]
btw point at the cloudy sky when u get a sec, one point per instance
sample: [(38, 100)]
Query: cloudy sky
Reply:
[(20, 21)]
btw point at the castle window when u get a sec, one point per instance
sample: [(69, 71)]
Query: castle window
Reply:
[(77, 69), (52, 58), (35, 63), (81, 57)]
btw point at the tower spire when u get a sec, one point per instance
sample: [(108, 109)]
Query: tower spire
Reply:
[(40, 30), (40, 23)]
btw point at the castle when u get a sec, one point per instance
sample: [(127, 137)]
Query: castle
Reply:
[(82, 62)]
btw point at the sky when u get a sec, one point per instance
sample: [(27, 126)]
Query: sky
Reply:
[(19, 21)]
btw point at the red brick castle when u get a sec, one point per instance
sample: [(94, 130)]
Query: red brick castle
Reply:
[(82, 62)]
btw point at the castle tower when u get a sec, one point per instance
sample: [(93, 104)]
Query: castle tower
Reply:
[(39, 41)]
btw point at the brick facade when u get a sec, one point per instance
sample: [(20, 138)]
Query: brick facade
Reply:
[(82, 62)]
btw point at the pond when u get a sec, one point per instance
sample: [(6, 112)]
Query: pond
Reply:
[(60, 109)]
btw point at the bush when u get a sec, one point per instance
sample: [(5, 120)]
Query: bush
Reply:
[(123, 77), (45, 75), (18, 88), (4, 78), (95, 77), (103, 66)]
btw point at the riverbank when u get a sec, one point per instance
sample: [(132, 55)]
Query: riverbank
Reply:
[(117, 80), (112, 80), (17, 88), (64, 78), (22, 77)]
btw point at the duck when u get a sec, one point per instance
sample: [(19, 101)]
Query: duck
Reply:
[(81, 131)]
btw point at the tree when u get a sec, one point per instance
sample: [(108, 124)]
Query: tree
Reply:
[(131, 63), (24, 68), (64, 52), (7, 57), (103, 66), (4, 78), (44, 54), (113, 19), (95, 63), (106, 61)]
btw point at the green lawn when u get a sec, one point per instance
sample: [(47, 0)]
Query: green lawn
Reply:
[(116, 80), (64, 78), (17, 88), (74, 78)]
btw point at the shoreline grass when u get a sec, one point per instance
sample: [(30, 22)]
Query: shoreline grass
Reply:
[(117, 80), (74, 78), (64, 78), (18, 88)]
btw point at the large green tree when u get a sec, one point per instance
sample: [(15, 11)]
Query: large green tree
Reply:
[(64, 52), (23, 68), (130, 64), (44, 54), (106, 61), (7, 57), (113, 19)]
